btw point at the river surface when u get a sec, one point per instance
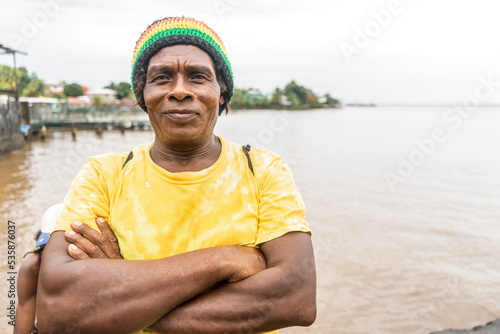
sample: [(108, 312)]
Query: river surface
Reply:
[(404, 204)]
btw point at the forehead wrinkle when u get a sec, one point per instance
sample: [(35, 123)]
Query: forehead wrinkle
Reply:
[(188, 64), (182, 50), (200, 68)]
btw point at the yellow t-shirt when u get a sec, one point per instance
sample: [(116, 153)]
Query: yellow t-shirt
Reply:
[(155, 213)]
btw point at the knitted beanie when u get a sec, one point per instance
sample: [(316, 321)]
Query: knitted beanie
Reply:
[(180, 30)]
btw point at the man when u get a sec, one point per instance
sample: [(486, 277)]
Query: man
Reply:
[(189, 212)]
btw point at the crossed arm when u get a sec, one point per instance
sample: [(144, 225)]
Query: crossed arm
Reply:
[(280, 296), (179, 294)]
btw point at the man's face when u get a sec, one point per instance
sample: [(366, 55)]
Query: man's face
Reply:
[(182, 94)]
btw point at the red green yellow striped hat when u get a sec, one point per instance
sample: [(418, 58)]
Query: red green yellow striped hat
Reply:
[(180, 30)]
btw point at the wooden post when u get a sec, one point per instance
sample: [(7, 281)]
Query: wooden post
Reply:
[(43, 132), (99, 130)]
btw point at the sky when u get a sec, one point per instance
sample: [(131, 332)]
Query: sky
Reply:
[(359, 51)]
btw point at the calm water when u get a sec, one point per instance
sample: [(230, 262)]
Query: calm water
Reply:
[(406, 226)]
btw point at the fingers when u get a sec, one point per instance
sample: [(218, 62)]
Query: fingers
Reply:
[(108, 233), (93, 243), (83, 244), (76, 253)]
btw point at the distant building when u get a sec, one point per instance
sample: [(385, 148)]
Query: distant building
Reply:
[(127, 103), (56, 89), (285, 103), (254, 94), (255, 97), (42, 109), (10, 119), (107, 96), (322, 99), (79, 102), (328, 102)]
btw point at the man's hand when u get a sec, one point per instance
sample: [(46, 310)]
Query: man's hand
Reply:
[(85, 242), (250, 261)]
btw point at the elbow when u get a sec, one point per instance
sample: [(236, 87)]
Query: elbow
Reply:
[(298, 308), (53, 313), (52, 310), (304, 297), (53, 317), (308, 315), (298, 312), (47, 315), (305, 313)]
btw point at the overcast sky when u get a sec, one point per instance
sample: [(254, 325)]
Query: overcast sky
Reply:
[(382, 51)]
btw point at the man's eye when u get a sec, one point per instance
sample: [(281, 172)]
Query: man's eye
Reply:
[(160, 77), (199, 77)]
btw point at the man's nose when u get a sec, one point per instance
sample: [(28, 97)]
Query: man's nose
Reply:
[(180, 90)]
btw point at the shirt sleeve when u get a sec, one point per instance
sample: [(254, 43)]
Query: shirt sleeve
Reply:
[(87, 198), (281, 208)]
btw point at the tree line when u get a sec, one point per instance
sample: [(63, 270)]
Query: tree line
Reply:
[(293, 96), (32, 86), (29, 84)]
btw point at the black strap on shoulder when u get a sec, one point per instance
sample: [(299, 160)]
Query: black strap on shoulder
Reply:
[(129, 157), (246, 149)]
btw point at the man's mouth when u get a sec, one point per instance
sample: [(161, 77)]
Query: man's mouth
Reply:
[(180, 116)]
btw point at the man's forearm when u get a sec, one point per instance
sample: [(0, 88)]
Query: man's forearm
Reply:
[(242, 307), (116, 296), (280, 296)]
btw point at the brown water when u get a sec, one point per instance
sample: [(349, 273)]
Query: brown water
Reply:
[(421, 256)]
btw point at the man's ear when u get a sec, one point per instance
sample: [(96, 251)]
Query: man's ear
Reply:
[(221, 100)]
